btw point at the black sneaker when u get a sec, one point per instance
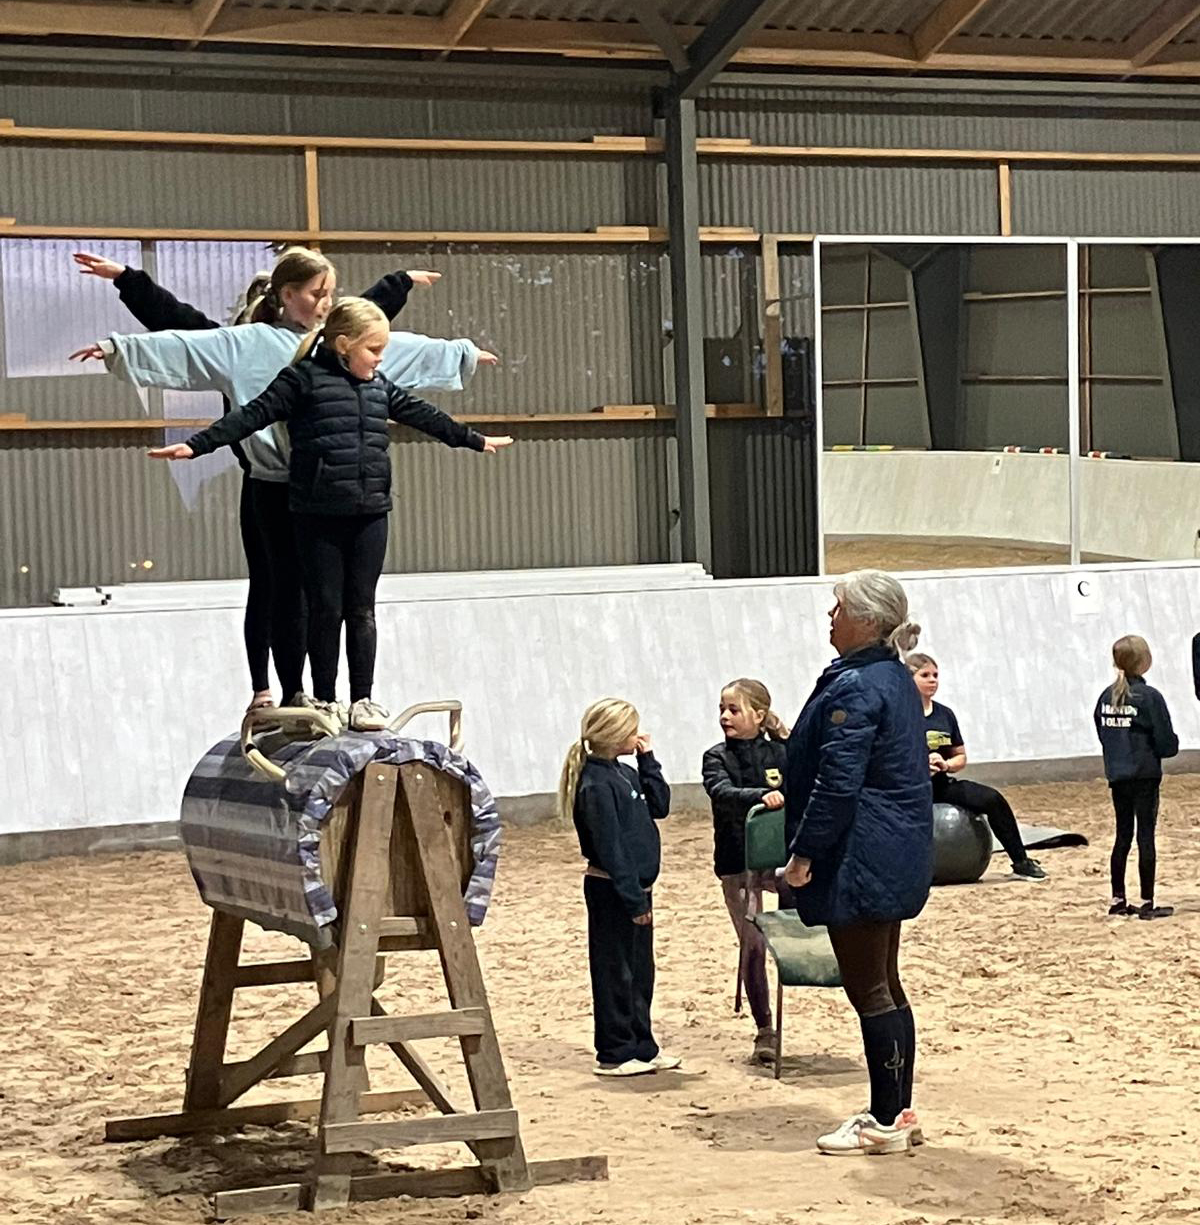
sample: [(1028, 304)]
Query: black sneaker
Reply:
[(1148, 910), (1121, 906), (1029, 869)]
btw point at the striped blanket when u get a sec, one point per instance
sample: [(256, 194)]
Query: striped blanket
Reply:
[(253, 844)]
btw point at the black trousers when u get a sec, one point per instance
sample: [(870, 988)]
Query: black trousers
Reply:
[(342, 559), (868, 955), (256, 626), (1135, 801), (976, 797), (621, 961), (278, 537)]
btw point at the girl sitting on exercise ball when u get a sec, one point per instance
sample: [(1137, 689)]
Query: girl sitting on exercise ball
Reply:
[(948, 756)]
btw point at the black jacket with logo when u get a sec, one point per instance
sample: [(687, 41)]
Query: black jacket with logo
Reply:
[(615, 813), (338, 426), (1136, 734), (737, 774)]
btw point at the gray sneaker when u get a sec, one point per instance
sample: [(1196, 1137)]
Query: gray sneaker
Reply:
[(368, 716), (301, 701)]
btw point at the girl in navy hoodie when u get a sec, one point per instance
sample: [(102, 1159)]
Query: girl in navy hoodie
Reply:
[(1135, 732), (616, 809)]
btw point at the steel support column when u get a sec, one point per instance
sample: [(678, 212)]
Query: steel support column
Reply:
[(687, 326)]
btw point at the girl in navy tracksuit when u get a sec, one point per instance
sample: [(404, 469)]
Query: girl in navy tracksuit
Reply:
[(1135, 732), (746, 769), (615, 810)]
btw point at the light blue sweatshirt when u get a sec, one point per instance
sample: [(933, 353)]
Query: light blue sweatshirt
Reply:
[(240, 362)]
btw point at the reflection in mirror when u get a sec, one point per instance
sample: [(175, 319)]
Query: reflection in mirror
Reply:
[(944, 405), (1139, 401)]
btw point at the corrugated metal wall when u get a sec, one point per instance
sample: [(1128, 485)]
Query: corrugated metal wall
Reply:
[(575, 328)]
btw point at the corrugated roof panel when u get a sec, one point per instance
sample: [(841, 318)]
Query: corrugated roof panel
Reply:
[(838, 198), (1109, 201), (144, 186), (392, 8), (369, 191), (1073, 20), (913, 119), (853, 16)]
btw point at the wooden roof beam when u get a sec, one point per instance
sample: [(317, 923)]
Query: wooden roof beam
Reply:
[(941, 25), (459, 17), (1161, 27)]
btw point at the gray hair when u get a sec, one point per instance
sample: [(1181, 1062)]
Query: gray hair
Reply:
[(875, 596)]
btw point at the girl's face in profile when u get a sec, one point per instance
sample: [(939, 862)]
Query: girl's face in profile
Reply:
[(926, 678), (629, 745), (739, 721), (307, 303)]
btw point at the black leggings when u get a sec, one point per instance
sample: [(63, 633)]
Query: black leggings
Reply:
[(868, 959), (342, 558), (278, 536), (1135, 801), (975, 797), (256, 627)]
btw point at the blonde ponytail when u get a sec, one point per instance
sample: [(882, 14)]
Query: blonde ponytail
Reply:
[(568, 780), (605, 727), (1131, 657), (775, 727)]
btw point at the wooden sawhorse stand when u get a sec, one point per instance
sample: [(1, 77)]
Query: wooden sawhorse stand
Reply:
[(400, 889)]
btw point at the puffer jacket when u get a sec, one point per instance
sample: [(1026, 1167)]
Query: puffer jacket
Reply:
[(737, 774), (858, 793), (338, 427)]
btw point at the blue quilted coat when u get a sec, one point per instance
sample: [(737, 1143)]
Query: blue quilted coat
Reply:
[(858, 793)]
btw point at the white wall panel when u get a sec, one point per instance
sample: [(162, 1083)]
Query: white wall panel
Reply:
[(116, 707)]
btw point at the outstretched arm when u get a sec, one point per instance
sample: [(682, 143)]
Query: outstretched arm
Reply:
[(277, 403), (413, 361), (154, 307), (419, 414)]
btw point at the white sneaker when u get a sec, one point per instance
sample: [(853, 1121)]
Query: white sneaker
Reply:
[(334, 711), (631, 1067), (665, 1063), (368, 716), (862, 1134)]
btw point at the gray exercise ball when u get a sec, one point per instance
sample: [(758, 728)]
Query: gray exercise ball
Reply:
[(962, 845)]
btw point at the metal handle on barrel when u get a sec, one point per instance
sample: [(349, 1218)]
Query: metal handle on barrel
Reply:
[(285, 719), (450, 706)]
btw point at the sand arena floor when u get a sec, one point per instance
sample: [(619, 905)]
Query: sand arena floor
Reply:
[(1059, 1050)]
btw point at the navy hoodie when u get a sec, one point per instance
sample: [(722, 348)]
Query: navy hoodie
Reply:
[(616, 808), (1136, 734)]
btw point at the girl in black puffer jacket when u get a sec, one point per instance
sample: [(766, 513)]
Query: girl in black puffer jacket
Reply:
[(744, 770), (337, 408)]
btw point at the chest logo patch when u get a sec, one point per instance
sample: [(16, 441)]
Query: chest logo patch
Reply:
[(837, 718), (774, 778)]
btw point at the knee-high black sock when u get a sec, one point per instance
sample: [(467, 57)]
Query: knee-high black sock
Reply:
[(884, 1041), (910, 1055)]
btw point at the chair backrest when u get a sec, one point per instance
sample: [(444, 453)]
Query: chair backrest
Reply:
[(766, 846)]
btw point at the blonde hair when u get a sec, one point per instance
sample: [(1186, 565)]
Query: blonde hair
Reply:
[(295, 266), (351, 317), (875, 596), (916, 661), (604, 728), (1131, 657), (758, 698)]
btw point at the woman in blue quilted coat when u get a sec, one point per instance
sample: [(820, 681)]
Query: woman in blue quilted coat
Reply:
[(860, 834)]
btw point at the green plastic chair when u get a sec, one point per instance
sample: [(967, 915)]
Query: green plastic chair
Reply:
[(803, 955)]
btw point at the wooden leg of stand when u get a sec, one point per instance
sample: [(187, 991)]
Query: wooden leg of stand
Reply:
[(325, 976), (503, 1161), (365, 904), (212, 1014)]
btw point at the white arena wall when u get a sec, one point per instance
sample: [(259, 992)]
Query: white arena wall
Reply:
[(107, 710), (1128, 508)]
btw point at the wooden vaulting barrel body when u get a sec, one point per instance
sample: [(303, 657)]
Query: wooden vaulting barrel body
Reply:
[(276, 850)]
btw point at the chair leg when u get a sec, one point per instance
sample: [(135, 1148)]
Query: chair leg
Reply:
[(779, 1030), (737, 993)]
